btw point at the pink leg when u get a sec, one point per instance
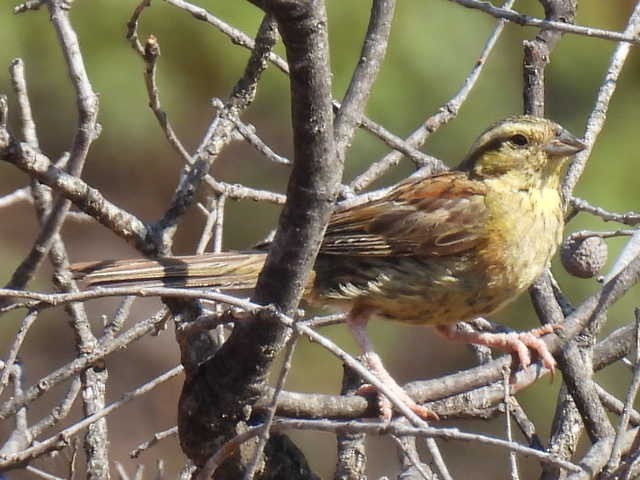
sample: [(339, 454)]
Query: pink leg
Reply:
[(357, 323), (518, 343)]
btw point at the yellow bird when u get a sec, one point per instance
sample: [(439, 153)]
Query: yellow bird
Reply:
[(433, 251)]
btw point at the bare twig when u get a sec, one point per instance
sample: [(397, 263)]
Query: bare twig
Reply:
[(17, 196), (575, 361), (25, 325), (248, 132), (77, 365), (86, 198), (271, 409), (410, 459), (444, 115), (59, 412), (240, 38), (60, 439), (598, 115), (132, 26), (529, 21), (351, 447), (28, 5), (157, 437), (351, 111), (513, 459), (628, 218), (218, 135), (616, 406), (28, 126), (150, 55), (41, 473), (377, 428), (616, 449), (20, 437), (87, 103), (630, 251)]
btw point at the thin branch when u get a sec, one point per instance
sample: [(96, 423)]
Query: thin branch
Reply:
[(235, 191), (60, 439), (289, 350), (18, 81), (351, 447), (248, 132), (513, 459), (51, 214), (79, 364), (616, 449), (597, 118), (29, 5), (86, 198), (394, 428), (59, 412), (157, 437), (236, 36), (445, 113), (630, 251), (226, 450), (218, 136), (41, 473), (566, 430), (582, 205), (87, 104), (374, 48), (213, 226), (410, 459), (240, 38), (18, 339), (575, 361), (116, 323), (150, 55), (529, 21), (17, 196), (597, 456), (132, 27), (20, 436), (617, 406)]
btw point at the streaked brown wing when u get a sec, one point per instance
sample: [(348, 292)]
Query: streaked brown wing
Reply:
[(440, 215)]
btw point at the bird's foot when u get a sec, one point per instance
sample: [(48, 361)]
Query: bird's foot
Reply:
[(374, 364), (514, 342)]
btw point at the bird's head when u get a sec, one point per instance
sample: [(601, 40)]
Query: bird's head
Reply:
[(533, 147)]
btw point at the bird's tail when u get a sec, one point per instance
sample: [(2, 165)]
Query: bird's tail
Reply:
[(228, 270)]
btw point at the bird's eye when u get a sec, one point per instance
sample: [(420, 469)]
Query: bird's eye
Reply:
[(519, 140)]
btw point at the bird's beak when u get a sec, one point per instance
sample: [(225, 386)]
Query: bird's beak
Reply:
[(564, 145)]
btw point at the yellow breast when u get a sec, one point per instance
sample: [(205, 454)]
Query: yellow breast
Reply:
[(526, 228)]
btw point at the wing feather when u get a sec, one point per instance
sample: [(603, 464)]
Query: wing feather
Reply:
[(436, 216)]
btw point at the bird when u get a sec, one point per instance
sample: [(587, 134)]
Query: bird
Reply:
[(434, 250)]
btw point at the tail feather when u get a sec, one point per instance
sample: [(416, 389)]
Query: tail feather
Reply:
[(229, 270)]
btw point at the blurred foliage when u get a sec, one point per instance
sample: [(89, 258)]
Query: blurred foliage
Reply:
[(427, 61)]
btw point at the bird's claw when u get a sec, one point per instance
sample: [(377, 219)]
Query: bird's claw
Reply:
[(386, 407), (519, 343)]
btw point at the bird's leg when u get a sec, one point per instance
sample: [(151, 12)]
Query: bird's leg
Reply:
[(357, 322), (515, 342)]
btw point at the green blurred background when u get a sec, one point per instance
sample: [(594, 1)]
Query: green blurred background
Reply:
[(433, 46)]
